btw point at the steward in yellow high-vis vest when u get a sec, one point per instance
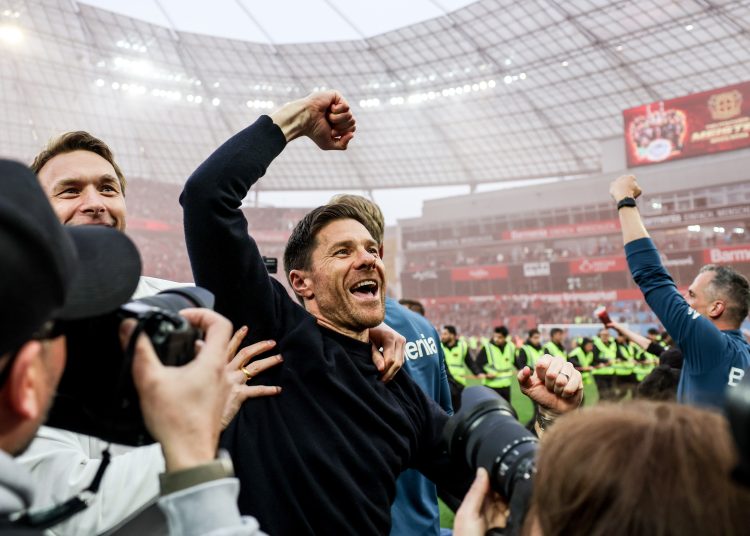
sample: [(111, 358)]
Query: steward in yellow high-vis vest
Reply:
[(645, 362), (582, 358), (457, 361), (531, 351), (625, 382), (555, 346), (496, 359), (605, 353)]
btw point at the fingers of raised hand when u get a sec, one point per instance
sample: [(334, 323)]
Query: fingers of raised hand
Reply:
[(391, 372), (249, 352), (524, 376), (235, 341), (247, 372), (258, 391)]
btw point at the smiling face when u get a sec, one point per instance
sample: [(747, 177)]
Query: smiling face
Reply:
[(84, 190), (345, 286)]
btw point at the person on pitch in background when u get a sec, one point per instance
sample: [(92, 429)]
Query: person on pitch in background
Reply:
[(556, 345), (582, 357), (496, 359), (605, 353), (706, 324), (458, 361), (530, 351)]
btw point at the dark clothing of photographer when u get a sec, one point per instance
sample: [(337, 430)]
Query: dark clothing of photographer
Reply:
[(323, 457)]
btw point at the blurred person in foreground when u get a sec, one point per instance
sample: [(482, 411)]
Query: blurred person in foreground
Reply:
[(50, 275), (688, 491), (415, 509), (324, 457), (706, 325), (85, 186)]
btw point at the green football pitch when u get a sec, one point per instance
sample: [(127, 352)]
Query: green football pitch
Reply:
[(525, 411)]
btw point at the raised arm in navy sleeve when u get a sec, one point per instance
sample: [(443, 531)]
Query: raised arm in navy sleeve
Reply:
[(214, 223), (687, 327)]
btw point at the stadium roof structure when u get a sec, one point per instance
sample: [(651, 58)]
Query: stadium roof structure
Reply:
[(465, 93)]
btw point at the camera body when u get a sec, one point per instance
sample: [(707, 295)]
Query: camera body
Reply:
[(96, 395)]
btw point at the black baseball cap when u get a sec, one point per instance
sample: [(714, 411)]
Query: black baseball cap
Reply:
[(52, 272)]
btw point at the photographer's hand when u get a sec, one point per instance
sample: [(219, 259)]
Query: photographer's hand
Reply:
[(182, 406), (554, 384), (240, 371), (481, 509)]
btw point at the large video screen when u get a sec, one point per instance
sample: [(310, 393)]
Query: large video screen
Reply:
[(703, 123)]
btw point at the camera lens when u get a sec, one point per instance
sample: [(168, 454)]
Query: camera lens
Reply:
[(485, 433), (176, 299)]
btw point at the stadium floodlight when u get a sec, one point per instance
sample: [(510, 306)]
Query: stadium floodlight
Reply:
[(99, 82), (11, 34), (694, 228), (216, 101), (738, 230)]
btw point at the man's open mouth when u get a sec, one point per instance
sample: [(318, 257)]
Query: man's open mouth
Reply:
[(367, 288)]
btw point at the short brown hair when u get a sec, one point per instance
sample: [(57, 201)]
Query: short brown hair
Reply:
[(302, 242), (639, 468), (732, 286), (77, 140), (371, 214)]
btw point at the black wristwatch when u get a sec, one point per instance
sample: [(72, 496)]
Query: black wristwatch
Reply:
[(626, 202)]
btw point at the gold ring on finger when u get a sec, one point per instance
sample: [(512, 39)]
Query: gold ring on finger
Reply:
[(246, 373)]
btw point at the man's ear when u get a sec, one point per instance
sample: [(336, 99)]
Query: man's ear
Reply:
[(717, 308), (380, 251), (25, 380), (301, 284)]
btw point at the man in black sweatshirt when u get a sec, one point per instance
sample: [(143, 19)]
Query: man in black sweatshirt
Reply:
[(323, 457)]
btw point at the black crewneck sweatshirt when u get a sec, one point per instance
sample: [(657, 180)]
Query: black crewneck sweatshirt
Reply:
[(324, 455)]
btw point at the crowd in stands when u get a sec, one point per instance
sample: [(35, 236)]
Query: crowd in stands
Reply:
[(564, 249)]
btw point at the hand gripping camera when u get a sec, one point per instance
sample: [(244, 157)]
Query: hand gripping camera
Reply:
[(96, 395)]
